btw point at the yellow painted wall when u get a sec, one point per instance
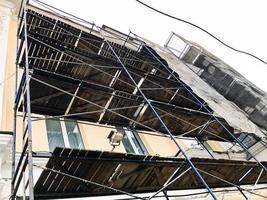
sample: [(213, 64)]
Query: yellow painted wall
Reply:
[(216, 146), (159, 145), (39, 135), (238, 196), (95, 138), (8, 93)]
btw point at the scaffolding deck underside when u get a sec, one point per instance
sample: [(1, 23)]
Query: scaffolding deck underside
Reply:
[(100, 75), (134, 173), (72, 59)]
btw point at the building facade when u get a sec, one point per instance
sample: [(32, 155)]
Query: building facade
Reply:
[(118, 97)]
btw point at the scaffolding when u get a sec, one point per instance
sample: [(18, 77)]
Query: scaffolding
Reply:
[(74, 69)]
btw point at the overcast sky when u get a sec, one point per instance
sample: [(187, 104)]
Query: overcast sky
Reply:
[(240, 23)]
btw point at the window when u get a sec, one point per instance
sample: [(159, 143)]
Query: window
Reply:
[(74, 135), (132, 142), (54, 133), (248, 140), (63, 133)]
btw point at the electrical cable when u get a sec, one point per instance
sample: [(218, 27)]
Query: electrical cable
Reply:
[(202, 29)]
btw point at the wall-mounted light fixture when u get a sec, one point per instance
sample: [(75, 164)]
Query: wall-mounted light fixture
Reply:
[(115, 139)]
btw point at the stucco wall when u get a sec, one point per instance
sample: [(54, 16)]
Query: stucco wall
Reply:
[(8, 26), (39, 135), (160, 145), (95, 138)]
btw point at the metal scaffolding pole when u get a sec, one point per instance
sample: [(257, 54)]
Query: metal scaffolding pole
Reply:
[(135, 85), (205, 107), (26, 158), (28, 110), (88, 181), (102, 107), (97, 69), (163, 124), (114, 59), (20, 166), (169, 183), (14, 137)]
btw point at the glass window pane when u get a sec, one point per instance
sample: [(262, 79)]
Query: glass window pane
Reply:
[(54, 134), (74, 134), (136, 143), (127, 145), (132, 143), (247, 140)]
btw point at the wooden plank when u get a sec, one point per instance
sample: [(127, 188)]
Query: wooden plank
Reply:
[(133, 176)]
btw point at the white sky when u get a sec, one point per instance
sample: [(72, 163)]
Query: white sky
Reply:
[(240, 23)]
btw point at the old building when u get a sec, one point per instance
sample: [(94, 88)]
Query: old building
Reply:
[(89, 111)]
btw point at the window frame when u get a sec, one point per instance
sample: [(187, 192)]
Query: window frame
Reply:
[(64, 132), (131, 133)]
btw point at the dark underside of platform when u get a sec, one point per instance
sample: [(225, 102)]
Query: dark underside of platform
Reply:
[(73, 60), (134, 173), (51, 101)]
